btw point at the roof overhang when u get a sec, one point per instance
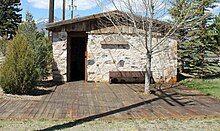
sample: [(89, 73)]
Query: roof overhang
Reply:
[(88, 23)]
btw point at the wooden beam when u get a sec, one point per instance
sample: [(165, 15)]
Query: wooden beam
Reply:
[(51, 11)]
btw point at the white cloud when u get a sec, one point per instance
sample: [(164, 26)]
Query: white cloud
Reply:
[(39, 3), (81, 4), (123, 5), (167, 18), (137, 6), (217, 8)]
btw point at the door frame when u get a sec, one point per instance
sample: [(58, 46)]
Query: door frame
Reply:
[(69, 36)]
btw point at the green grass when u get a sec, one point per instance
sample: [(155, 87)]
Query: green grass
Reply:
[(206, 86), (122, 125)]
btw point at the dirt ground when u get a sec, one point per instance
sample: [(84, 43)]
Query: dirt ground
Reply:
[(37, 94), (127, 125)]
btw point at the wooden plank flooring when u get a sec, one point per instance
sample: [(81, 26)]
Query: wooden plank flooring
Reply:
[(79, 100)]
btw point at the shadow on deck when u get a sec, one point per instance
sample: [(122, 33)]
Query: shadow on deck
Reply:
[(86, 102)]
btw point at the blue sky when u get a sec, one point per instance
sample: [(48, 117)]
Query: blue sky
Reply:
[(39, 8)]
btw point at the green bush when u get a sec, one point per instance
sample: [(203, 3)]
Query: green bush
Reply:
[(18, 73), (42, 47), (3, 44), (43, 55)]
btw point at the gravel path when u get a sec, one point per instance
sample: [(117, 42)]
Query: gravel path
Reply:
[(127, 125)]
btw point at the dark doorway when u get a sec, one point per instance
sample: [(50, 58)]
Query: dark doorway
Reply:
[(77, 58)]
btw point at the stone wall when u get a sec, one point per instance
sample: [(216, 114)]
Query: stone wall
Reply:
[(126, 53), (103, 58), (60, 56), (164, 61)]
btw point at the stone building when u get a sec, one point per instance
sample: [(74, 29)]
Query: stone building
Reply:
[(92, 49)]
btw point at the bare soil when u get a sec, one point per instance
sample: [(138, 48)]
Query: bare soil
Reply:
[(43, 88)]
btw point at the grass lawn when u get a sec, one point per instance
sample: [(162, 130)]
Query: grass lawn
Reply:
[(206, 86), (123, 125)]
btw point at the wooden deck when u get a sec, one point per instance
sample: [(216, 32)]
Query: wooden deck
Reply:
[(89, 101)]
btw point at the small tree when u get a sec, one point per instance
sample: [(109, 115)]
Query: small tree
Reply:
[(18, 73), (144, 15), (40, 44), (9, 17)]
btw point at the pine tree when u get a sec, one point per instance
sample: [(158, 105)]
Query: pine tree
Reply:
[(195, 37), (9, 17), (214, 44), (216, 30)]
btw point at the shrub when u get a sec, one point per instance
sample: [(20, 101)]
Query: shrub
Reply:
[(18, 73), (43, 55), (3, 44), (42, 47)]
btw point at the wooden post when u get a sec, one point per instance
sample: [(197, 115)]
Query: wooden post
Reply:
[(51, 17), (51, 11), (72, 8), (64, 5)]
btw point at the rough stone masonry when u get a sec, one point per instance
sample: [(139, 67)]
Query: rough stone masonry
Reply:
[(114, 52)]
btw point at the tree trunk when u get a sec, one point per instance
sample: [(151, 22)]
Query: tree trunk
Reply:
[(148, 74)]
